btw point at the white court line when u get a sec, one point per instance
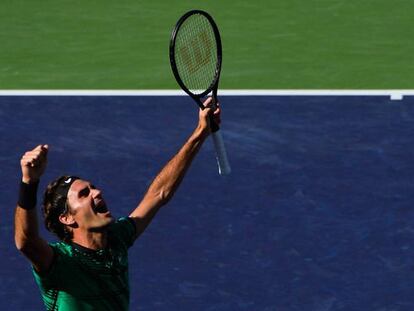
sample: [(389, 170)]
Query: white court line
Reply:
[(393, 94)]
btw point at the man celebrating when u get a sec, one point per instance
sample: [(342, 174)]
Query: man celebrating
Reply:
[(88, 268)]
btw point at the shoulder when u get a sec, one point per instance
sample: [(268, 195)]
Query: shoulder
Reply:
[(62, 252), (123, 229), (122, 224)]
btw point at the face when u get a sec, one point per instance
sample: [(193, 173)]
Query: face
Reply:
[(87, 207)]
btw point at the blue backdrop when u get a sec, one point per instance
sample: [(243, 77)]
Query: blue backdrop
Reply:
[(317, 214)]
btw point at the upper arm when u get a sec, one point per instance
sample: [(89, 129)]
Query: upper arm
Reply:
[(144, 213), (39, 253)]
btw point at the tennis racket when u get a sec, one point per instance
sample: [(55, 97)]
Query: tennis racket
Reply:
[(195, 57)]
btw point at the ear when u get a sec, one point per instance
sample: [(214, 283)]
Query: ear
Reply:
[(67, 219)]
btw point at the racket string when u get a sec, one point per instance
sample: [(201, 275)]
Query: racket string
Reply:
[(196, 54)]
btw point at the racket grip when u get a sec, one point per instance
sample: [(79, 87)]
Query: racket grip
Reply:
[(221, 155)]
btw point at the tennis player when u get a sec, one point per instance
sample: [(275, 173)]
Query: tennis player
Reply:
[(88, 268)]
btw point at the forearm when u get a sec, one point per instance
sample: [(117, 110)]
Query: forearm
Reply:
[(26, 224), (167, 181), (28, 241), (26, 229)]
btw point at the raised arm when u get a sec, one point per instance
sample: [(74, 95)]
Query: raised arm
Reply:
[(26, 231), (169, 178)]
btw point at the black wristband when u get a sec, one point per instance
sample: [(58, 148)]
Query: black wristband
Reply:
[(28, 195)]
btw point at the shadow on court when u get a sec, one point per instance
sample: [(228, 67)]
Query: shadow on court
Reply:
[(317, 214)]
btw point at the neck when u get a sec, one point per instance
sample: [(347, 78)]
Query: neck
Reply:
[(92, 240)]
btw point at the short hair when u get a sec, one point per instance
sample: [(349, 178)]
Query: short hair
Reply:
[(52, 209)]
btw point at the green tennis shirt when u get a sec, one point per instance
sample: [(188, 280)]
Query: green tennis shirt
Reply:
[(85, 279)]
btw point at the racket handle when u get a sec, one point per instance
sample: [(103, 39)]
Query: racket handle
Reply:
[(221, 155)]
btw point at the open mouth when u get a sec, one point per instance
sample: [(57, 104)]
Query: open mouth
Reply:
[(100, 207)]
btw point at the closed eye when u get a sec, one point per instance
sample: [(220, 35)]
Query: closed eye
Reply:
[(84, 192)]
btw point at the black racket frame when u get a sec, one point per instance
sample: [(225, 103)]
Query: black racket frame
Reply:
[(214, 85)]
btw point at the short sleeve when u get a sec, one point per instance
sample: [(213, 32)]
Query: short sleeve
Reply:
[(50, 278), (125, 230)]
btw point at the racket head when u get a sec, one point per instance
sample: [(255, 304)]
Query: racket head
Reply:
[(196, 54)]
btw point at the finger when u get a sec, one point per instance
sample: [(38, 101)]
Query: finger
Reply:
[(43, 154), (30, 160), (33, 154), (206, 111), (32, 157), (215, 106), (39, 149), (38, 152), (28, 163), (45, 148), (208, 102)]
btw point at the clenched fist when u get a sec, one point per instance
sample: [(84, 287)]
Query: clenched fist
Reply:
[(211, 112), (33, 163)]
